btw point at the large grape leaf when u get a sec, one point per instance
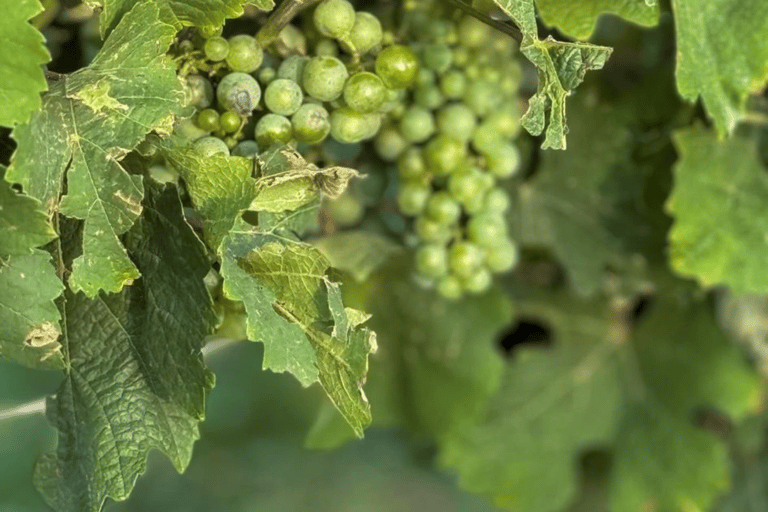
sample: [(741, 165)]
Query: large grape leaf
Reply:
[(438, 361), (135, 378), (561, 68), (721, 54), (680, 363), (578, 19), (566, 206), (23, 226), (21, 61), (200, 13), (602, 385), (720, 205), (89, 121), (553, 403)]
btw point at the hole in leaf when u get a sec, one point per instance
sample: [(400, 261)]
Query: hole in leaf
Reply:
[(526, 331)]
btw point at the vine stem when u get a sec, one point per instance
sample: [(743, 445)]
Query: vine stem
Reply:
[(280, 17), (213, 346), (508, 29)]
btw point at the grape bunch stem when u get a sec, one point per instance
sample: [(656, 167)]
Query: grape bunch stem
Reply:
[(280, 17)]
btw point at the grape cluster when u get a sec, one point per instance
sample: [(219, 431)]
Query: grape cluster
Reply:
[(452, 140), (297, 98)]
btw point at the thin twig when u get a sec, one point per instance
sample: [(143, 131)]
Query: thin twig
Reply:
[(511, 30), (280, 17)]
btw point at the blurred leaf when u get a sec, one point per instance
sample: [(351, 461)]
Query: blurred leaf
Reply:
[(359, 253), (89, 120), (135, 378), (21, 62), (719, 205)]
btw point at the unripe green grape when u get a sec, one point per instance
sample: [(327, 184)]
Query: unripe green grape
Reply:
[(450, 287), (496, 201), (490, 74), (444, 154), (188, 131), (457, 121), (425, 76), (486, 230), (486, 138), (216, 49), (327, 47), (393, 103), (506, 120), (453, 84), (440, 30), (473, 33), (428, 96), (199, 92), (230, 141), (246, 148), (311, 123), (349, 125), (397, 66), (292, 40), (230, 121), (432, 260), (389, 144), (208, 146), (437, 57), (461, 56), (365, 92), (324, 78), (273, 128), (372, 184), (239, 92), (266, 75), (366, 33), (482, 97), (443, 208), (503, 161), (466, 185), (245, 54), (334, 18), (430, 230), (412, 197), (346, 210), (478, 281), (502, 256), (411, 165), (465, 258), (417, 124), (283, 96), (208, 120), (292, 68)]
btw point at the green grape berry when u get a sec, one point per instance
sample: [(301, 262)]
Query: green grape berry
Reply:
[(411, 165), (443, 208), (466, 186), (389, 144), (292, 68), (453, 84), (478, 281), (246, 148), (486, 230), (245, 54), (503, 161), (428, 96), (444, 154), (365, 92), (208, 120), (417, 124), (502, 256), (324, 78), (412, 197), (199, 92), (273, 128), (496, 201), (266, 75), (473, 33), (432, 260), (216, 49), (366, 33), (283, 96), (397, 66), (327, 47), (349, 125), (208, 146), (346, 210), (239, 92), (457, 121), (482, 97), (450, 287), (465, 258), (311, 123), (437, 57), (430, 230), (230, 121), (334, 18)]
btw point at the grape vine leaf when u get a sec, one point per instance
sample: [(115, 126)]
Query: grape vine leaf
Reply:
[(21, 61), (565, 205), (578, 19), (29, 319), (359, 253), (201, 13), (437, 364), (561, 68), (23, 226), (552, 403), (721, 54), (718, 204), (89, 121), (662, 461), (291, 307), (262, 5), (749, 492), (135, 377)]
